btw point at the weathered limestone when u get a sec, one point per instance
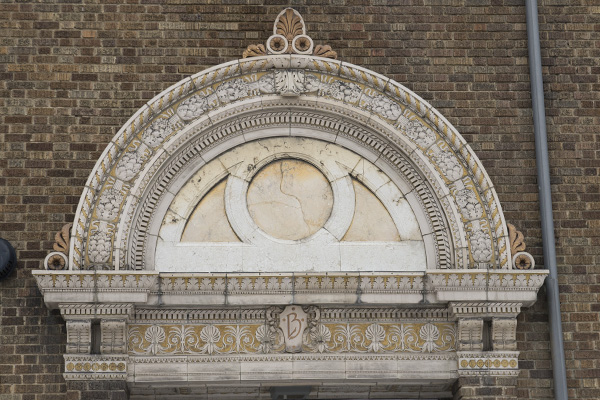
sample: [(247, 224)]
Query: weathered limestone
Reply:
[(290, 218), (290, 199), (208, 325), (206, 116), (293, 204), (208, 222)]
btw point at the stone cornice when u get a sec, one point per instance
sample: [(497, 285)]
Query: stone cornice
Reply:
[(181, 289), (484, 309), (79, 311)]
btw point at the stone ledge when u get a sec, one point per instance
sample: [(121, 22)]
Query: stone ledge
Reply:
[(311, 368), (184, 289)]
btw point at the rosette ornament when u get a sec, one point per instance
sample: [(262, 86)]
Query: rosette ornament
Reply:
[(58, 259), (521, 259)]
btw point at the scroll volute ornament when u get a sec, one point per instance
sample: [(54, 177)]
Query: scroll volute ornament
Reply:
[(289, 37), (58, 259), (62, 239), (325, 51), (255, 50), (521, 259)]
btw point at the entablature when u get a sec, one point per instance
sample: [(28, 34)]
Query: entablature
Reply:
[(150, 288)]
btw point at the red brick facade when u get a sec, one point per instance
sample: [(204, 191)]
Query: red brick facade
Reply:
[(72, 72)]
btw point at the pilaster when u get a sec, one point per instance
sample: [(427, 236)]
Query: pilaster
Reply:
[(96, 341), (487, 357)]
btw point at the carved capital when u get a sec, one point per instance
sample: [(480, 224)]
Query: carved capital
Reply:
[(289, 37), (504, 333), (79, 336), (113, 336), (470, 334)]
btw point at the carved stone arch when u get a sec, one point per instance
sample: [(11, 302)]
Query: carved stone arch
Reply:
[(302, 121), (397, 322), (221, 107)]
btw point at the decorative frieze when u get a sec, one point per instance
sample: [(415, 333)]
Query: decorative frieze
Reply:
[(384, 314), (186, 339), (166, 331), (489, 286), (437, 287), (85, 287)]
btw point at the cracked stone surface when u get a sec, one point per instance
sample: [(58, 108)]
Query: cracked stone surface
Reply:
[(290, 199)]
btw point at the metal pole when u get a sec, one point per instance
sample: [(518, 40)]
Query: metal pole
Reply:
[(543, 176)]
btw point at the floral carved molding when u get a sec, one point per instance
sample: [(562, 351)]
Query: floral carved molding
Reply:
[(323, 338), (59, 258), (111, 227)]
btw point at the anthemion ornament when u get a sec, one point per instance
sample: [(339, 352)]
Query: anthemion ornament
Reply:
[(289, 37)]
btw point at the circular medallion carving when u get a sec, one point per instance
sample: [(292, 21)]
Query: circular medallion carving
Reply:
[(290, 199)]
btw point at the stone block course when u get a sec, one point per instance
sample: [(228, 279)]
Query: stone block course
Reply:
[(72, 74)]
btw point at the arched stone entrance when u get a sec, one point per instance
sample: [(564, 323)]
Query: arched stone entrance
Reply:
[(289, 219)]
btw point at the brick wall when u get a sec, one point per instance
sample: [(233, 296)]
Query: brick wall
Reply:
[(72, 72)]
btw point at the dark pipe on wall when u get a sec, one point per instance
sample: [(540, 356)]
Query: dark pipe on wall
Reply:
[(543, 177)]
